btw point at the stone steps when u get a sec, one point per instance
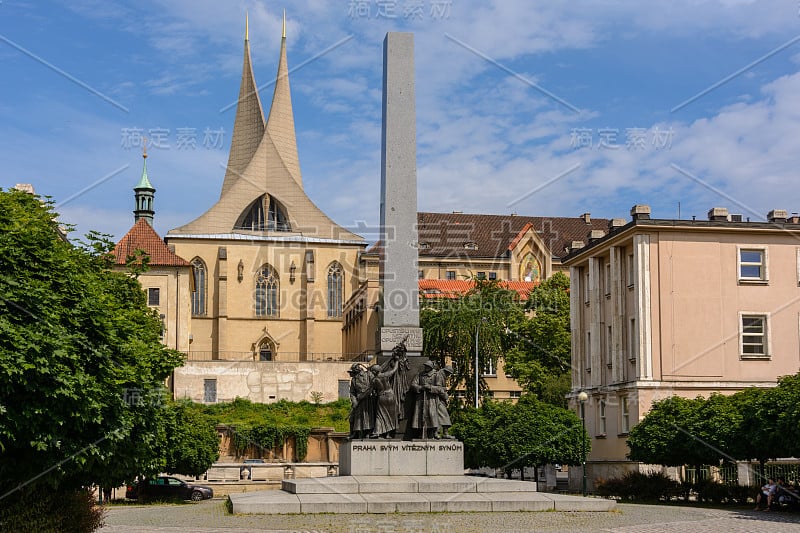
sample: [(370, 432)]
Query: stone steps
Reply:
[(409, 494)]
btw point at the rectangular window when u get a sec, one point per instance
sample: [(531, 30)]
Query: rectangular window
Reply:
[(586, 289), (609, 347), (607, 279), (629, 270), (515, 394), (451, 274), (588, 351), (420, 274), (626, 414), (344, 389), (481, 275), (210, 390), (632, 340), (153, 296), (753, 336), (493, 275), (602, 417), (488, 369), (752, 264)]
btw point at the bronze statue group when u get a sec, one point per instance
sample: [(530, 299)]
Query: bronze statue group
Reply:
[(382, 395)]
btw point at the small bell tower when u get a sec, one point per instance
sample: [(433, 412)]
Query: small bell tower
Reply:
[(144, 193)]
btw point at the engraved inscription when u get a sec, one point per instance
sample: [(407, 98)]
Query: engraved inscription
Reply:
[(390, 337)]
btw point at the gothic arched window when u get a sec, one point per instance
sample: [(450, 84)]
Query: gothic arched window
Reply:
[(335, 290), (267, 301), (265, 214), (200, 286)]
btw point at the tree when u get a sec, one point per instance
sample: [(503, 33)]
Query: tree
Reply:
[(81, 396), (529, 433), (192, 442), (540, 357), (785, 403), (663, 436), (449, 327)]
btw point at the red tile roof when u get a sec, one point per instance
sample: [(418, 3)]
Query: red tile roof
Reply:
[(453, 288), (142, 236), (445, 234)]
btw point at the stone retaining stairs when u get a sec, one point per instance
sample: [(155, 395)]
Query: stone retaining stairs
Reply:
[(408, 494)]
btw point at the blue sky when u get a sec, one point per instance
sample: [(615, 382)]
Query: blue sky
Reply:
[(539, 108)]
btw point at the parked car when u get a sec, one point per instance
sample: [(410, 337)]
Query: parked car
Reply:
[(166, 487)]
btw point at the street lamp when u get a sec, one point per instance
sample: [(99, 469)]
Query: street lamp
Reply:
[(477, 376), (582, 397)]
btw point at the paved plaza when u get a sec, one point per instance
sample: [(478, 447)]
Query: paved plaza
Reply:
[(211, 517)]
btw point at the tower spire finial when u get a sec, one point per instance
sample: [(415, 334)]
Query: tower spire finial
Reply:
[(284, 24), (144, 147), (246, 26)]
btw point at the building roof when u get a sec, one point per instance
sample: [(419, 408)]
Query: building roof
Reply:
[(142, 236), (789, 227), (475, 236), (453, 288), (263, 160)]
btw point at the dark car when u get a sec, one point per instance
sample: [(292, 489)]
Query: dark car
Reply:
[(166, 487)]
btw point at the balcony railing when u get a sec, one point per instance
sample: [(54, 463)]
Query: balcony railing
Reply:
[(280, 357)]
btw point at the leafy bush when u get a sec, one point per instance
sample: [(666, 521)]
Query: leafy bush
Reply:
[(709, 491), (636, 486), (714, 492), (244, 413), (45, 511)]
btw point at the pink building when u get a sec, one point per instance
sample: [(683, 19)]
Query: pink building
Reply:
[(678, 307)]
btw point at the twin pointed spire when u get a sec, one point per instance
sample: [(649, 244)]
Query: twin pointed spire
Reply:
[(249, 127)]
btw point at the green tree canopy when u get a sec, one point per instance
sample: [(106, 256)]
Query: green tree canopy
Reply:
[(192, 443), (529, 433), (663, 436), (539, 359), (81, 395), (449, 327), (754, 423)]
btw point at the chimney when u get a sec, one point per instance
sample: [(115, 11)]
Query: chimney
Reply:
[(596, 234), (587, 217), (735, 218), (794, 219), (615, 223), (777, 215), (640, 212), (718, 214)]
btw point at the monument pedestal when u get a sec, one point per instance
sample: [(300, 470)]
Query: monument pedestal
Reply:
[(378, 457)]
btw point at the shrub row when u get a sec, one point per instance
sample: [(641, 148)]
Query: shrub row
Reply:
[(636, 486)]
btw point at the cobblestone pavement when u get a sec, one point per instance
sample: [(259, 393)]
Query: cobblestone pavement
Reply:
[(211, 517)]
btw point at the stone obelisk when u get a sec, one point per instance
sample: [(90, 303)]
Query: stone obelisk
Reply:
[(398, 260)]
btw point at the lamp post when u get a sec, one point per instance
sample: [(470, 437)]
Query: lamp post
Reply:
[(582, 397), (477, 370)]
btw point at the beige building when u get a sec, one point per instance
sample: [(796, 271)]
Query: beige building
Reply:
[(678, 307), (253, 290), (454, 247)]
